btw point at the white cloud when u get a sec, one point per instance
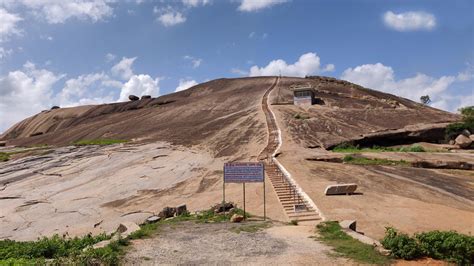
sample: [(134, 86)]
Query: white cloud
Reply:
[(4, 52), (8, 24), (380, 77), (185, 84), (195, 3), (409, 21), (58, 11), (109, 57), (307, 64), (25, 92), (239, 71), (140, 85), (256, 5), (171, 18), (123, 69), (196, 62), (86, 89)]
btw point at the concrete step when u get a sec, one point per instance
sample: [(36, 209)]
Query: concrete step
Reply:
[(302, 214), (308, 219)]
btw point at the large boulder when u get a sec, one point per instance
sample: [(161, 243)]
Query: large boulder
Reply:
[(127, 228), (181, 209), (3, 143), (236, 218), (55, 107), (167, 212), (218, 208), (463, 141), (471, 137), (133, 98), (146, 97)]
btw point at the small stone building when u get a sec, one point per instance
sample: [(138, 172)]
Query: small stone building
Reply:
[(303, 96)]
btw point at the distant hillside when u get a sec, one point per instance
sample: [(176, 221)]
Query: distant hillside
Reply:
[(225, 116)]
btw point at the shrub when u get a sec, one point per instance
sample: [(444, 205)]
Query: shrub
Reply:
[(447, 245), (450, 245), (4, 157), (467, 122), (401, 245)]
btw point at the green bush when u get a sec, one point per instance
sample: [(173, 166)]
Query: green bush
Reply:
[(467, 122), (4, 156), (401, 245), (450, 245)]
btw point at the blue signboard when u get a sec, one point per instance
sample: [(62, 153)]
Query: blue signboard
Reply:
[(249, 172)]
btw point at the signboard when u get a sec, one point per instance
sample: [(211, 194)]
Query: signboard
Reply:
[(248, 172)]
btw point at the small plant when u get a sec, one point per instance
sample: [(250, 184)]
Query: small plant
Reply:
[(414, 148), (301, 116), (446, 245), (294, 222), (99, 142)]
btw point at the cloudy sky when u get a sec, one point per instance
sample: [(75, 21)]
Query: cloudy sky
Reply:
[(67, 53)]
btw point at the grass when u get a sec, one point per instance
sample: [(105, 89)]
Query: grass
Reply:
[(251, 228), (4, 156), (58, 250), (348, 148), (366, 161), (99, 142), (346, 246)]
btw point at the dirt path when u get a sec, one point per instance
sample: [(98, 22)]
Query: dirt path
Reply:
[(218, 243)]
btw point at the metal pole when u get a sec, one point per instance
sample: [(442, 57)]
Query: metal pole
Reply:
[(223, 190), (244, 201), (264, 200)]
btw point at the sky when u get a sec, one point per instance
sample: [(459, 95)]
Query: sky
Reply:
[(76, 52)]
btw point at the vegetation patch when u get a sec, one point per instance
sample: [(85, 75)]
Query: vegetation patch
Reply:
[(349, 159), (4, 156), (445, 245), (99, 142), (301, 116), (349, 148), (251, 227), (467, 123), (346, 246), (58, 250)]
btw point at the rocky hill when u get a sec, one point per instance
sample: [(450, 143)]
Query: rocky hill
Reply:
[(224, 115)]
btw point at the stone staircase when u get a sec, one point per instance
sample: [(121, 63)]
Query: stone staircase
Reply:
[(289, 194)]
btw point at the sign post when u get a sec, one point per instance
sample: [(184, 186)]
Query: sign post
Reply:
[(244, 172)]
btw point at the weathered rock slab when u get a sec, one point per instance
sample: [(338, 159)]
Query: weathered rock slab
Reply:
[(340, 189)]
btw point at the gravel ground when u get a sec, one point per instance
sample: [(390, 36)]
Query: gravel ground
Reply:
[(191, 243)]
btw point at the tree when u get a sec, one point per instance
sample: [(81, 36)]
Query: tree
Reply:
[(425, 99)]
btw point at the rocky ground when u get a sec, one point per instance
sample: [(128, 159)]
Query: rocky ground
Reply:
[(76, 190), (219, 244)]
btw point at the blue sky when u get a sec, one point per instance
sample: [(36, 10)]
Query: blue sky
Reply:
[(66, 53)]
